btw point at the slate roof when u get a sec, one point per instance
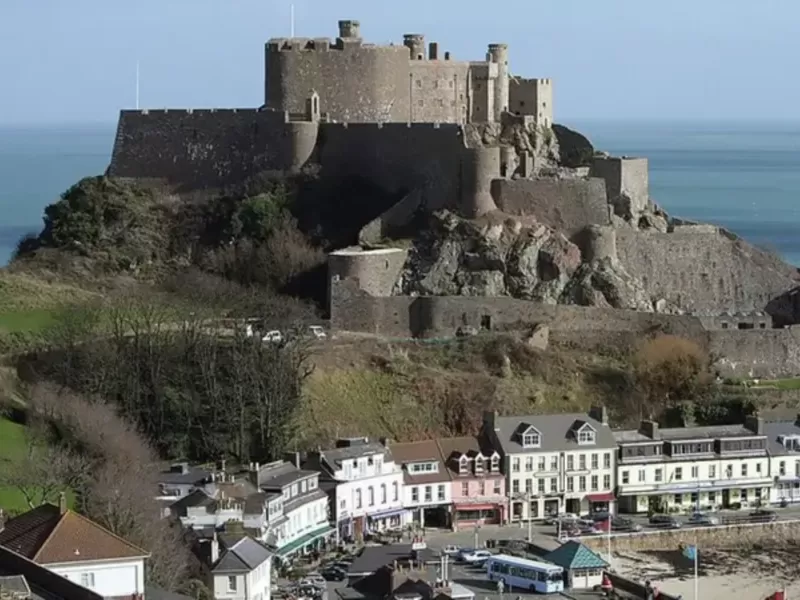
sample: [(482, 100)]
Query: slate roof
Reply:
[(15, 584), (43, 583), (195, 499), (574, 555), (419, 452), (555, 432), (46, 536), (453, 448), (672, 434), (276, 477), (372, 558), (193, 475), (335, 456), (243, 556), (772, 429)]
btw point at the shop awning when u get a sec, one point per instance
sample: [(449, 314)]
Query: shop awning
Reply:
[(476, 506), (387, 513), (605, 497), (301, 542)]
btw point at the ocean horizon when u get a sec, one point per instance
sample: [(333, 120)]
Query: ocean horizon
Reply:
[(744, 176)]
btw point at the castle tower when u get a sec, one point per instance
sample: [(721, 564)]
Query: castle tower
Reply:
[(349, 29), (415, 42), (498, 53), (479, 166)]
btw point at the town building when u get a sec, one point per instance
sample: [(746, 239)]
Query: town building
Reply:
[(584, 567), (181, 479), (78, 549), (555, 463), (23, 579), (783, 443), (368, 486), (426, 483), (296, 508), (688, 468), (241, 568), (477, 481)]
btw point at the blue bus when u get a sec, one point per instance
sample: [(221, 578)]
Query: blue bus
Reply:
[(523, 574)]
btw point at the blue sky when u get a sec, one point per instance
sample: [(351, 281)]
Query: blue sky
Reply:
[(70, 61)]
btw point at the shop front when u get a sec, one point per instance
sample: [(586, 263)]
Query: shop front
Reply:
[(431, 516), (385, 521), (468, 515), (601, 503)]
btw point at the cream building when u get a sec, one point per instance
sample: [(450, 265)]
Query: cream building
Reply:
[(784, 448), (683, 469), (555, 463)]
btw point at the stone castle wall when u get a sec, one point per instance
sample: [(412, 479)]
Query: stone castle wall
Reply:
[(706, 273), (565, 204), (766, 353)]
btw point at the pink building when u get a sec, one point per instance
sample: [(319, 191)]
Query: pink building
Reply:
[(478, 484)]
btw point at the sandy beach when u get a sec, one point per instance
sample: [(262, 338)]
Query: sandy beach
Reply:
[(743, 574)]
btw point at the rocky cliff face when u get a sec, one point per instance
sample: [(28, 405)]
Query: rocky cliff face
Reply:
[(513, 257)]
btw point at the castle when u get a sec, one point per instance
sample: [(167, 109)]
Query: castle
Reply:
[(470, 138)]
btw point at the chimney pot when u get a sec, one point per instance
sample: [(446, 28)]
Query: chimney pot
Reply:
[(62, 503)]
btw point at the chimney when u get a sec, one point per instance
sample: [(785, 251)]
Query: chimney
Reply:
[(489, 419), (386, 441), (599, 413), (293, 457), (755, 424), (3, 519), (214, 548), (433, 51), (650, 429), (447, 56), (62, 503)]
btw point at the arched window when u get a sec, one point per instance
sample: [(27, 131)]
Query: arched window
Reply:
[(383, 493), (371, 496), (358, 498)]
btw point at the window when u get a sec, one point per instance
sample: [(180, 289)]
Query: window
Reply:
[(419, 83), (712, 497), (87, 580), (658, 475), (797, 470), (554, 485), (542, 463), (581, 483), (678, 499), (554, 463), (415, 494), (695, 471), (712, 471), (231, 583), (462, 465), (495, 465), (371, 496), (782, 468), (607, 460), (570, 484), (540, 486), (582, 462), (515, 465), (383, 493), (586, 436), (479, 464), (570, 463), (358, 498), (421, 103), (594, 482), (625, 477), (428, 493), (606, 482), (678, 473), (531, 440), (498, 488), (641, 475), (529, 464), (440, 493), (594, 461), (744, 470), (515, 486), (465, 488), (529, 485)]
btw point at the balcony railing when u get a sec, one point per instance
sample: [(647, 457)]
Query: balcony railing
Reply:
[(692, 486)]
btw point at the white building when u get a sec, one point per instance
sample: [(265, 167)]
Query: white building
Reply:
[(555, 463), (367, 486), (181, 479), (783, 442), (78, 549), (686, 468), (427, 487), (241, 569)]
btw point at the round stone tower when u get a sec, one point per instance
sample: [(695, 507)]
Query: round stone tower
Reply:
[(349, 29), (498, 53), (300, 140), (600, 242), (479, 166), (415, 42)]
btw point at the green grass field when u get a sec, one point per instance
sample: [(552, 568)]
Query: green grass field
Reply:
[(13, 441)]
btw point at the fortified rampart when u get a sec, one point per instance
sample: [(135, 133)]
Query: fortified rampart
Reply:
[(764, 353), (532, 97), (707, 273), (563, 204), (627, 182)]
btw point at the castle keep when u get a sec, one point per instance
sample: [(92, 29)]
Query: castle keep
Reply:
[(517, 231)]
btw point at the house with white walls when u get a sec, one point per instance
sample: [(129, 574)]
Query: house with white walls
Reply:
[(180, 479), (366, 484), (555, 463), (78, 549), (241, 568), (427, 495), (683, 469), (783, 444)]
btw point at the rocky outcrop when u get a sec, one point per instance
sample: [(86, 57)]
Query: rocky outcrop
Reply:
[(520, 136), (513, 257), (575, 149)]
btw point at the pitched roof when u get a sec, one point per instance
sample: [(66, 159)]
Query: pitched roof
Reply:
[(469, 446), (43, 583), (244, 555), (574, 555), (46, 536), (557, 432), (426, 451)]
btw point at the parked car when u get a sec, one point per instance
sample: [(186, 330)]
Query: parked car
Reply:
[(451, 550), (274, 336), (475, 557), (699, 519), (664, 522), (618, 524), (586, 529), (763, 516), (334, 573), (318, 332), (563, 517), (313, 579)]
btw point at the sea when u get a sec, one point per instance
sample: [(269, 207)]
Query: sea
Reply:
[(742, 176)]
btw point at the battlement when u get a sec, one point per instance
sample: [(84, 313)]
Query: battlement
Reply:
[(452, 127), (189, 111)]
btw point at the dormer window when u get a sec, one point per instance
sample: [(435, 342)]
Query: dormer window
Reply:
[(586, 436), (531, 439), (479, 464), (462, 465), (495, 463)]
